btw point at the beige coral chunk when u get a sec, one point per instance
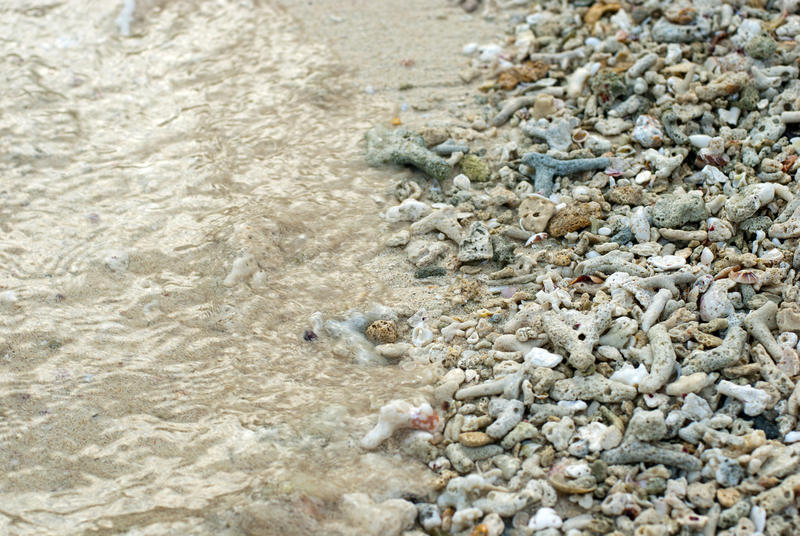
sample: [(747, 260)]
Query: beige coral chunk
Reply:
[(727, 497), (726, 84), (535, 213), (474, 439), (382, 331), (788, 317), (574, 217), (596, 12), (443, 220)]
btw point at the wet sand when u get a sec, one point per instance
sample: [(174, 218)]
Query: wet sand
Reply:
[(140, 393)]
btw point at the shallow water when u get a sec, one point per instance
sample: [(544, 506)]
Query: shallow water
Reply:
[(139, 394)]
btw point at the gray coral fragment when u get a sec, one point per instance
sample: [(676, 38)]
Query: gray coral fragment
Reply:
[(401, 147), (548, 167)]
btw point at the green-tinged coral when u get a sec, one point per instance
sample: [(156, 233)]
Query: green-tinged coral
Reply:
[(475, 168), (430, 271), (761, 47), (608, 86)]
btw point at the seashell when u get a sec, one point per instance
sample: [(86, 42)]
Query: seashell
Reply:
[(586, 278), (707, 256), (667, 262), (560, 484), (792, 437), (421, 335), (538, 237), (725, 271), (579, 136), (703, 282), (789, 163), (626, 151), (745, 277), (424, 418), (399, 414)]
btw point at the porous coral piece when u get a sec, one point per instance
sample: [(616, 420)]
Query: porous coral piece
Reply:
[(612, 262), (629, 194), (647, 425), (577, 333), (573, 217), (726, 84), (507, 414), (755, 400), (672, 210), (664, 360), (556, 132), (770, 372), (636, 451), (594, 387), (382, 331), (535, 213), (758, 323), (665, 31), (476, 246), (720, 357)]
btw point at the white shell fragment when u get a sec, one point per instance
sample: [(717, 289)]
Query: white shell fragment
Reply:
[(667, 262), (399, 414), (629, 375), (542, 358), (545, 518)]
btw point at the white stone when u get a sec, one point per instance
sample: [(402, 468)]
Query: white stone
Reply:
[(545, 518), (469, 49), (629, 375), (542, 358), (643, 177), (792, 437), (461, 182), (696, 408), (707, 256), (600, 437), (8, 297), (700, 140)]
